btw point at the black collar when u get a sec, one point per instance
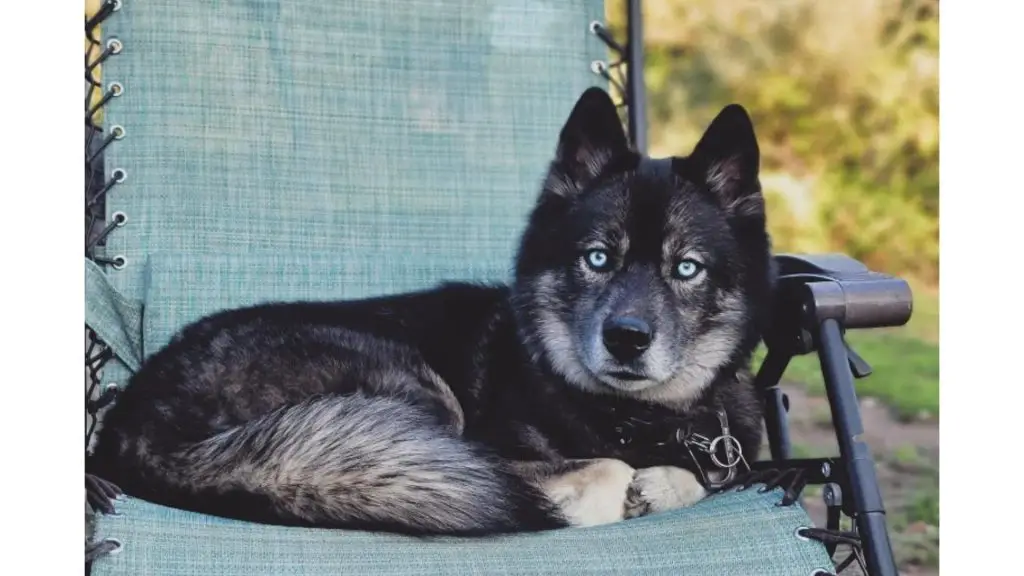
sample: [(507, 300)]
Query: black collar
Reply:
[(699, 439)]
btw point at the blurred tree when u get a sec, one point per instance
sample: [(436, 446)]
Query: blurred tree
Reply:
[(844, 96)]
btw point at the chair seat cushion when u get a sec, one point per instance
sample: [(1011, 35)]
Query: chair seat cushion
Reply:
[(731, 534)]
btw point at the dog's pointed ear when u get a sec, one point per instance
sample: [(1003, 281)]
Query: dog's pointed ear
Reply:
[(591, 139), (727, 159)]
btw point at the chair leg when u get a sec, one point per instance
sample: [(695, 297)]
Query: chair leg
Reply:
[(860, 466)]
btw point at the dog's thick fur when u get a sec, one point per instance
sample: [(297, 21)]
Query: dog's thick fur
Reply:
[(639, 292)]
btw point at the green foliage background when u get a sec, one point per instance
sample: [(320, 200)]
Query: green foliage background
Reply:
[(844, 97)]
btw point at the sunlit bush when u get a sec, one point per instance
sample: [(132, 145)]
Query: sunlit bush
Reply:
[(844, 96)]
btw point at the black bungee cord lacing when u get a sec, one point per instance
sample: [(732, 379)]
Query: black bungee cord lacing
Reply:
[(611, 72), (99, 493), (97, 352), (793, 481), (96, 192)]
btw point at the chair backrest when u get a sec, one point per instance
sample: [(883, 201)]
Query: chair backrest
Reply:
[(288, 149)]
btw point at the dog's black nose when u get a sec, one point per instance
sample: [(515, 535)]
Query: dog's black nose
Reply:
[(626, 337)]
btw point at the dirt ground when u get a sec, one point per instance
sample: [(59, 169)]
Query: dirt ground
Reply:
[(906, 456)]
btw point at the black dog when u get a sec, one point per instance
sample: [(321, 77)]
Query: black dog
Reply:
[(641, 287)]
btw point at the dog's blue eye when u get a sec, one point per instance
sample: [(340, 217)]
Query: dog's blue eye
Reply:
[(597, 259), (688, 269)]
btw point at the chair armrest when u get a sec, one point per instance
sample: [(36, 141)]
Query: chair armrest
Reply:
[(842, 288)]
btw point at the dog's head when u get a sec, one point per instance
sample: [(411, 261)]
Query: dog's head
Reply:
[(645, 278)]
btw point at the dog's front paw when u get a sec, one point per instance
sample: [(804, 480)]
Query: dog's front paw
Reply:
[(594, 493), (662, 488)]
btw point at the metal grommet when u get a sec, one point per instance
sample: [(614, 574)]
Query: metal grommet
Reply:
[(595, 26), (598, 67), (118, 131), (115, 46), (117, 5), (112, 387), (119, 262), (118, 174), (822, 572), (116, 89), (799, 535), (118, 546), (120, 218)]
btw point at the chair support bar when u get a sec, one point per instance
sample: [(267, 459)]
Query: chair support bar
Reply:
[(817, 299), (776, 403), (867, 497)]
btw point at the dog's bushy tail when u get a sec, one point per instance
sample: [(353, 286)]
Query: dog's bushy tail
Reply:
[(353, 461)]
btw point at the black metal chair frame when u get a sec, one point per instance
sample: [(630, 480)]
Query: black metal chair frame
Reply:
[(818, 298)]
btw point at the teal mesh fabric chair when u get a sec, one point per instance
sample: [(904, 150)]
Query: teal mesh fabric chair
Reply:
[(255, 150)]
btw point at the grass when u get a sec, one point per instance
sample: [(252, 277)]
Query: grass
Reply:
[(905, 363), (798, 450), (908, 457), (917, 548), (924, 507), (915, 526)]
